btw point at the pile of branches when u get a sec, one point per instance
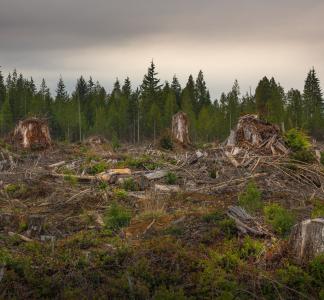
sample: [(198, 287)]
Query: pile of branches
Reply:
[(257, 135)]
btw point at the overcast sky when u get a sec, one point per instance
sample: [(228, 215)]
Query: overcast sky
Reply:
[(227, 39)]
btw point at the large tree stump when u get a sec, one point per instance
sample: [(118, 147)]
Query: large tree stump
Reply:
[(32, 133), (180, 128), (307, 239)]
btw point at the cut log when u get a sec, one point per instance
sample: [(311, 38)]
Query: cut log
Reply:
[(180, 128), (156, 174), (307, 239), (166, 188)]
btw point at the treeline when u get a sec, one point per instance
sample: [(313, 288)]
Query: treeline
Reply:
[(135, 115)]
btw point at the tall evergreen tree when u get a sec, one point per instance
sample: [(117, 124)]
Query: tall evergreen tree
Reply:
[(2, 90), (313, 102), (202, 94)]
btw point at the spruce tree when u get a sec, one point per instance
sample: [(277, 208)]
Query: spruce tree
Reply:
[(2, 90), (202, 94), (313, 102)]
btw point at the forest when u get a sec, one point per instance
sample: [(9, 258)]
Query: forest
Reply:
[(133, 115)]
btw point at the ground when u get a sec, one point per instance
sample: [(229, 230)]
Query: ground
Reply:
[(67, 234)]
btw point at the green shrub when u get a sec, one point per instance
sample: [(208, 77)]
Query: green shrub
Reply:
[(98, 168), (279, 218), (171, 178), (306, 156), (120, 193), (213, 217), (228, 227), (250, 199), (318, 210), (297, 140), (250, 248), (129, 184), (115, 142), (163, 293), (316, 269), (322, 158), (166, 141), (71, 179), (116, 217), (294, 277)]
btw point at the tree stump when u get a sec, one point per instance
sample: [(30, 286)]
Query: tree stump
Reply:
[(307, 239), (35, 225), (32, 133), (180, 128)]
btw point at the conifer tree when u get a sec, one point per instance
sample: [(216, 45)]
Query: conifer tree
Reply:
[(313, 102), (2, 90), (202, 94)]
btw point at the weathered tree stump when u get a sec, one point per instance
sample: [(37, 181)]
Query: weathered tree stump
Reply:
[(180, 128), (32, 133), (35, 225), (307, 239)]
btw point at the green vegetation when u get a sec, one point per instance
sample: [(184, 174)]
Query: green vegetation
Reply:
[(137, 114), (300, 144), (116, 217), (171, 178), (250, 199), (279, 218), (98, 168), (318, 210), (129, 184)]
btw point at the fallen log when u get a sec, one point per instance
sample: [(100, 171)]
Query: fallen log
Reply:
[(245, 222)]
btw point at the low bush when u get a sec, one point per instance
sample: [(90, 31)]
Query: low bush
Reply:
[(171, 178), (318, 210), (297, 140), (129, 184), (166, 141), (279, 218), (116, 217), (250, 199)]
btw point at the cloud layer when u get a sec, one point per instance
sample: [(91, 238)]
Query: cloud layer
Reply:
[(108, 39)]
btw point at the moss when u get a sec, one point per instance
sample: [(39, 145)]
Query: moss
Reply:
[(98, 168), (318, 210)]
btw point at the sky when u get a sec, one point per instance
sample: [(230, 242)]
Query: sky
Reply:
[(106, 39)]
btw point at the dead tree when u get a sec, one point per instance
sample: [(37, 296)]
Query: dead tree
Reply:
[(307, 239), (180, 128), (32, 133)]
